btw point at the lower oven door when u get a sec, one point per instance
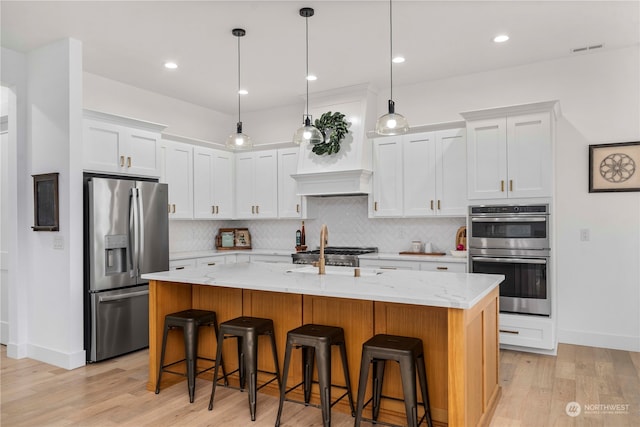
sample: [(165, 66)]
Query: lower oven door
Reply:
[(525, 289)]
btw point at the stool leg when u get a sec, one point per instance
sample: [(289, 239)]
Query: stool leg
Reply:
[(378, 379), (241, 367), (362, 385), (308, 359), (422, 375), (408, 376), (250, 351), (164, 347), (283, 385), (215, 370), (190, 334), (323, 353), (274, 350), (347, 379), (219, 344)]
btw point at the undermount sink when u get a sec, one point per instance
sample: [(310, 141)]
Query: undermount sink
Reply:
[(335, 271)]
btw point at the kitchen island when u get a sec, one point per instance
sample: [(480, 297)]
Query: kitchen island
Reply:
[(455, 314)]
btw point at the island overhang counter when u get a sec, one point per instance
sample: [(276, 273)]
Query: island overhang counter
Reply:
[(455, 315)]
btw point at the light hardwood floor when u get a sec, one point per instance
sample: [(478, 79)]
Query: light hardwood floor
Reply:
[(535, 392)]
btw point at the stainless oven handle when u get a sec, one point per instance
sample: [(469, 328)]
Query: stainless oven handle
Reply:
[(510, 219), (510, 260)]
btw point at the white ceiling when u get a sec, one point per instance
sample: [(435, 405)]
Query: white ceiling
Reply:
[(349, 41)]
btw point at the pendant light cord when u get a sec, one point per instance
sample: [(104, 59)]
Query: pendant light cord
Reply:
[(239, 120), (306, 22), (391, 50)]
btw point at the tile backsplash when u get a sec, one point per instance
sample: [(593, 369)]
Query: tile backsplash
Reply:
[(346, 218)]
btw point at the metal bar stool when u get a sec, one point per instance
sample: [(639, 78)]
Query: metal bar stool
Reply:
[(246, 330), (189, 321), (316, 340), (409, 353)]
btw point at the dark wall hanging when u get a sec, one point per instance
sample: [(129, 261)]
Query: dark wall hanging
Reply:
[(614, 167), (45, 202)]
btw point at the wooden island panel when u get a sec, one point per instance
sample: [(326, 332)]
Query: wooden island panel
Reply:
[(430, 325)]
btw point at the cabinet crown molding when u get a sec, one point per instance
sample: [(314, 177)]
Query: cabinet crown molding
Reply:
[(512, 110), (123, 120)]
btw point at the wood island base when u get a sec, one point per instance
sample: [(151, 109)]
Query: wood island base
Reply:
[(461, 345)]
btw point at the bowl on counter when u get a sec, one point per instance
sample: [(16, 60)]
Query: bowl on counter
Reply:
[(458, 254)]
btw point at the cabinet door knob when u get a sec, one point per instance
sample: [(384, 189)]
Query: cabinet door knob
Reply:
[(211, 263), (297, 208), (128, 162), (179, 268), (174, 208), (506, 331), (438, 204), (257, 209), (213, 209), (510, 185), (502, 186), (121, 161), (217, 210), (253, 209), (375, 206), (442, 268), (431, 204)]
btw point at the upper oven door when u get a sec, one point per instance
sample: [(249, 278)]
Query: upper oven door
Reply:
[(527, 232)]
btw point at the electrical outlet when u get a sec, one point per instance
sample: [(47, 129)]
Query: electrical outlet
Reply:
[(584, 234), (58, 242)]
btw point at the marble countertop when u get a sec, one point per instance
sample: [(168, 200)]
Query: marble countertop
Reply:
[(452, 290), (425, 258)]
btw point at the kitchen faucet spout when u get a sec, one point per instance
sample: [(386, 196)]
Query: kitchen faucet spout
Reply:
[(324, 239)]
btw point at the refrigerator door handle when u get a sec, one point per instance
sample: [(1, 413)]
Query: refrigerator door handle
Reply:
[(123, 296), (133, 227), (140, 234)]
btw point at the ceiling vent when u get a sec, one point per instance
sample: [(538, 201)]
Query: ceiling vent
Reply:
[(587, 48)]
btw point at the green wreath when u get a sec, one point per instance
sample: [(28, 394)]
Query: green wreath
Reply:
[(337, 126)]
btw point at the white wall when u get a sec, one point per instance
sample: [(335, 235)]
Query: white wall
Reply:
[(4, 224), (47, 324), (182, 118)]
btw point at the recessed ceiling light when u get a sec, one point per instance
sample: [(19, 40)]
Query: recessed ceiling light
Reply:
[(398, 60), (170, 65), (312, 78), (501, 38), (243, 91)]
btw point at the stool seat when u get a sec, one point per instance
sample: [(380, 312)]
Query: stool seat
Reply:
[(247, 330), (409, 353), (190, 321), (316, 342)]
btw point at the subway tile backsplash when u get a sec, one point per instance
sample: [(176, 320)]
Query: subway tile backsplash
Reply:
[(347, 221)]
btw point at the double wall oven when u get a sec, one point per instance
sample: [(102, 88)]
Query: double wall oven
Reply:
[(513, 240)]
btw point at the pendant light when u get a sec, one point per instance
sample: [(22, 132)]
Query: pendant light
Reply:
[(391, 123), (238, 140), (308, 132)]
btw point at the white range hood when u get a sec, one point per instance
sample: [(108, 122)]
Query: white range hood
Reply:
[(347, 172)]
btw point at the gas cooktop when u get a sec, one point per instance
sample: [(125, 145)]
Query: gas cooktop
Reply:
[(333, 255)]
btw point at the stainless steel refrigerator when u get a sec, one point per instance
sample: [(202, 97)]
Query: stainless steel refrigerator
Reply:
[(126, 234)]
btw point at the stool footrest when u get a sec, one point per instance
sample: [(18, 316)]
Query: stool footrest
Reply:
[(316, 382)]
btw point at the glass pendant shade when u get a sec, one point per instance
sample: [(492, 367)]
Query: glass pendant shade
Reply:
[(308, 133), (392, 123), (238, 140)]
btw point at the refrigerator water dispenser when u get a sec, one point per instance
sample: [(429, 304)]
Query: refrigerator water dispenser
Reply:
[(115, 254)]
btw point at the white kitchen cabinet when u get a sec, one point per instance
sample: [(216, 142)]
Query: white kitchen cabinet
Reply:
[(212, 183), (387, 177), (210, 261), (444, 266), (182, 264), (434, 168), (510, 152), (290, 205), (271, 258), (527, 331), (386, 264), (177, 172), (256, 185), (120, 145)]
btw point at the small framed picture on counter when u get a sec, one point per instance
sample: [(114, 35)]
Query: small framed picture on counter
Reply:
[(243, 238)]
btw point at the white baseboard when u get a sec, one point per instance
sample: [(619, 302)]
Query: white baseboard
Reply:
[(52, 357), (591, 339), (4, 333), (552, 352)]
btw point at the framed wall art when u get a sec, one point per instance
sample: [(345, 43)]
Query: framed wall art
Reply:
[(614, 167), (45, 202)]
